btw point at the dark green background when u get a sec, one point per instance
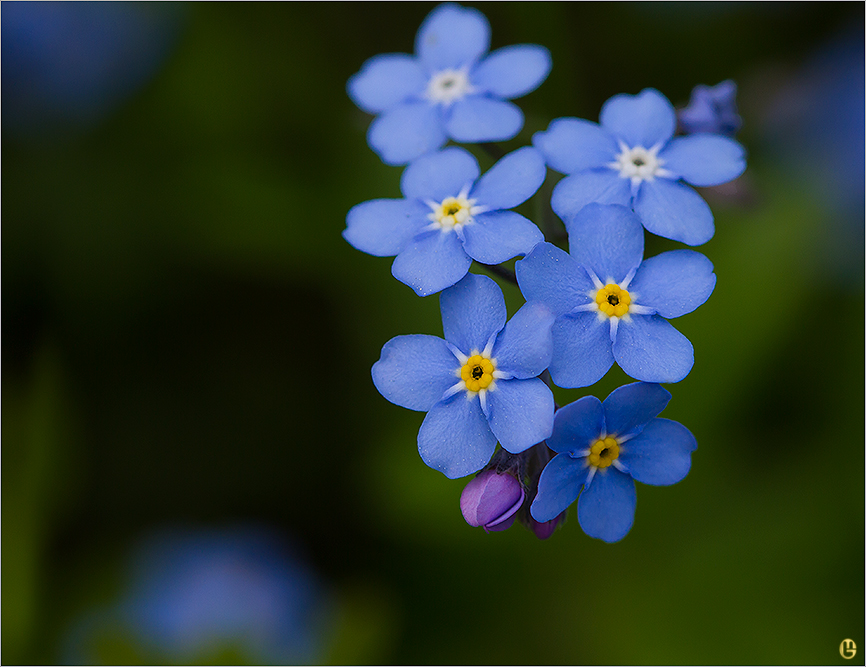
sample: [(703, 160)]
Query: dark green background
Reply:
[(188, 339)]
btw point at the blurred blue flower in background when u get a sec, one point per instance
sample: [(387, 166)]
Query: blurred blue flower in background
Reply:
[(711, 109), (449, 89), (72, 62), (196, 594)]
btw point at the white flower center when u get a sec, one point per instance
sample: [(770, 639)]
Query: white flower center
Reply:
[(452, 213), (448, 85), (639, 163)]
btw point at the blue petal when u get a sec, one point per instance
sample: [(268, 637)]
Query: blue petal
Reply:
[(606, 509), (644, 120), (477, 119), (472, 311), (558, 486), (572, 144), (452, 37), (661, 454), (608, 239), (704, 159), (628, 408), (512, 71), (581, 350), (498, 236), (415, 371), (648, 348), (550, 275), (673, 283), (383, 227), (524, 347), (602, 186), (406, 132), (455, 437), (511, 181), (520, 413), (577, 425), (431, 262), (439, 175), (675, 211), (386, 80)]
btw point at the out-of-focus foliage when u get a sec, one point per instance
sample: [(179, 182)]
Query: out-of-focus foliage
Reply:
[(187, 340)]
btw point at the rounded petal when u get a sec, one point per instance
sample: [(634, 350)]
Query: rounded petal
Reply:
[(431, 262), (451, 37), (472, 312), (558, 486), (383, 227), (500, 235), (520, 413), (661, 454), (704, 159), (512, 180), (512, 71), (577, 425), (415, 371), (606, 509), (439, 175), (455, 438), (602, 186), (629, 408), (406, 132), (552, 276), (673, 283), (477, 119), (673, 210), (573, 144), (607, 239), (645, 119), (386, 80), (524, 347), (648, 348), (581, 350)]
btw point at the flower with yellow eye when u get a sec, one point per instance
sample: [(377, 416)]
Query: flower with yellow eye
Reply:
[(478, 385), (610, 304), (602, 449), (451, 215)]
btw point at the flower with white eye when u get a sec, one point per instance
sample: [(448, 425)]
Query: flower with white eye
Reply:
[(632, 158), (452, 88)]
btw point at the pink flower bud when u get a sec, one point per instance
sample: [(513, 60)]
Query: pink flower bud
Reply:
[(491, 500)]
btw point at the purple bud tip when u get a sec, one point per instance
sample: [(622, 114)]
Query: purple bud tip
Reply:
[(491, 499), (544, 530)]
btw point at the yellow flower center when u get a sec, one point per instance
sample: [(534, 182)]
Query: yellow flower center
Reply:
[(477, 372), (612, 300), (603, 452), (452, 212)]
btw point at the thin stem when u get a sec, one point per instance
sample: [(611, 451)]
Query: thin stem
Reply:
[(502, 272)]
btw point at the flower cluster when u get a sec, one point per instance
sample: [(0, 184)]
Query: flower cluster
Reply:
[(486, 386)]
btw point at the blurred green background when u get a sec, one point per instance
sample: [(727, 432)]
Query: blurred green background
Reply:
[(187, 340)]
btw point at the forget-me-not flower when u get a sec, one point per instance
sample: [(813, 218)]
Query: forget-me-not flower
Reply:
[(450, 216), (448, 89), (633, 159), (611, 305), (711, 109), (478, 385), (603, 448)]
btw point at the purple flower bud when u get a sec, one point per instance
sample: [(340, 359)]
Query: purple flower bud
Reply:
[(491, 500), (711, 109), (544, 530)]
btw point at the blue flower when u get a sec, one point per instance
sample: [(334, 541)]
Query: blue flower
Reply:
[(450, 216), (449, 89), (603, 448), (633, 159), (612, 306), (712, 110), (479, 385)]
